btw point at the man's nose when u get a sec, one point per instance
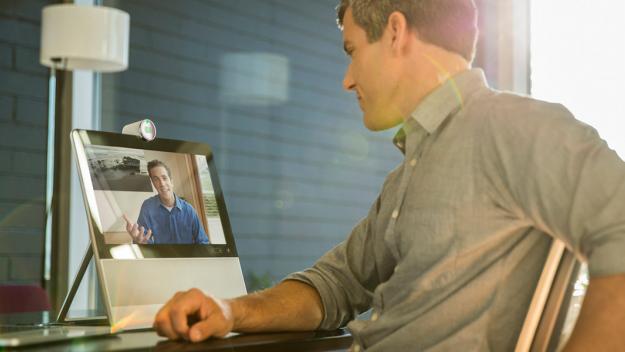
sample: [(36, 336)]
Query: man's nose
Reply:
[(348, 80)]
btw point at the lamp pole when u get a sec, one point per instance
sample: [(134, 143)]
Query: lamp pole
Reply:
[(73, 37), (47, 250)]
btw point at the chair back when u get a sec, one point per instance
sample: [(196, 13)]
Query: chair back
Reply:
[(22, 299)]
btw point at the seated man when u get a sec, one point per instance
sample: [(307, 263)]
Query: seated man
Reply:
[(448, 256), (165, 218)]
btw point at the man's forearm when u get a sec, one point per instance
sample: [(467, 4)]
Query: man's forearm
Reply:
[(600, 326), (289, 306)]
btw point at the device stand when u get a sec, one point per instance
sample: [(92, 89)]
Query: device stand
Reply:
[(69, 299), (146, 129)]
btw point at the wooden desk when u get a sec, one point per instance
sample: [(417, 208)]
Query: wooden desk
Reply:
[(311, 341)]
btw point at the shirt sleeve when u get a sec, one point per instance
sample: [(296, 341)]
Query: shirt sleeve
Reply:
[(199, 235), (346, 276), (557, 173)]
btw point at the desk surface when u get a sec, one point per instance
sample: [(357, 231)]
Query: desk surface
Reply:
[(309, 341)]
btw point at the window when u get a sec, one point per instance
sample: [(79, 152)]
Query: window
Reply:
[(259, 81), (23, 133)]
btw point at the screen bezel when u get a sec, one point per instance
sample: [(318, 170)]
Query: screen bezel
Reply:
[(83, 138)]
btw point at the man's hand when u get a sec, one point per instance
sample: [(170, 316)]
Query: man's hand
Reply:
[(194, 316), (137, 232)]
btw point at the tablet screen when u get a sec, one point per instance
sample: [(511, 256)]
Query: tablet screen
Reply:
[(153, 197)]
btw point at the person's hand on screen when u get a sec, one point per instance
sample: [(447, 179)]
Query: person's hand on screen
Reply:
[(194, 316), (138, 233)]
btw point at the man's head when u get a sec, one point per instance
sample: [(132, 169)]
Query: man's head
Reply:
[(161, 179), (450, 24), (402, 49)]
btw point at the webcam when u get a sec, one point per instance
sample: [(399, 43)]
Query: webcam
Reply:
[(144, 129)]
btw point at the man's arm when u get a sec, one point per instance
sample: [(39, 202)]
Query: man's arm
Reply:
[(342, 277), (289, 306), (601, 323), (199, 236), (558, 174)]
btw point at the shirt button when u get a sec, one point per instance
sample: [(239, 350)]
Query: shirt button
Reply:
[(413, 162), (374, 316), (395, 214), (356, 348)]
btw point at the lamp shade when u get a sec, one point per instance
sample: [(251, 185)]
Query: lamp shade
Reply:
[(84, 37)]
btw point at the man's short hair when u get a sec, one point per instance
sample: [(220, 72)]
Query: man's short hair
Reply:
[(449, 24), (154, 163)]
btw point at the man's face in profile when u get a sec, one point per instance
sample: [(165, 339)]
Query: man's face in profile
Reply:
[(162, 182), (368, 75)]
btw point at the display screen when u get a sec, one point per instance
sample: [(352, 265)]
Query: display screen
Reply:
[(153, 197)]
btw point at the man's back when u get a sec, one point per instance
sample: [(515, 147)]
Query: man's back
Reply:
[(457, 240)]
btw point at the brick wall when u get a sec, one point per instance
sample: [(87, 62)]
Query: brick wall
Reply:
[(296, 176), (23, 119)]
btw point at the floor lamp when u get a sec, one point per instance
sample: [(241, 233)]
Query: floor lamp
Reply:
[(75, 37)]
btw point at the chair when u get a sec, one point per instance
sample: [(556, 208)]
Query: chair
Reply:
[(542, 328), (22, 299)]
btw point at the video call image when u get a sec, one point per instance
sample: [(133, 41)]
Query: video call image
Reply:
[(153, 197)]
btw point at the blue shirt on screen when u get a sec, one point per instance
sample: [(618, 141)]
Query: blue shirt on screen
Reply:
[(181, 225)]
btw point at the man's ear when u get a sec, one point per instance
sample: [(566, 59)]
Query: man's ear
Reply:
[(398, 31)]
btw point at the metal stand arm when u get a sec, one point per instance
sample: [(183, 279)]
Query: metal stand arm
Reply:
[(77, 280)]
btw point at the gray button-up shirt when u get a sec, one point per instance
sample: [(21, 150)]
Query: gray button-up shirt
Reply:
[(449, 255)]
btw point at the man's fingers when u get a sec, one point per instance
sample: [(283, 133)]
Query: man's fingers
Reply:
[(163, 328), (184, 306), (162, 323), (215, 320), (144, 238), (173, 321), (202, 330), (134, 232), (128, 223)]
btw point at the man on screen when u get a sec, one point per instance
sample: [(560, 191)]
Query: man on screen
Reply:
[(165, 218)]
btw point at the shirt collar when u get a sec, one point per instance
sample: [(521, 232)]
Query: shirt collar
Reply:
[(441, 103), (177, 204)]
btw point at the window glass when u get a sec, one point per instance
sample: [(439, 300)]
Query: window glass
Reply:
[(259, 81), (23, 133)]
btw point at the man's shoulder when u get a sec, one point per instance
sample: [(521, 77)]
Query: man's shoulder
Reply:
[(151, 201), (520, 113), (511, 106), (185, 206), (515, 122)]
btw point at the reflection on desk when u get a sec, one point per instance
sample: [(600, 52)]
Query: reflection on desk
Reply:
[(309, 341), (338, 340)]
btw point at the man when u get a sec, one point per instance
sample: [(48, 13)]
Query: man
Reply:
[(450, 252), (165, 218)]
